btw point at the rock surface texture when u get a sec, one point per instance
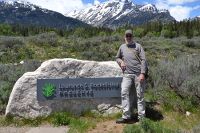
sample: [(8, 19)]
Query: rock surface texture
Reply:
[(23, 99)]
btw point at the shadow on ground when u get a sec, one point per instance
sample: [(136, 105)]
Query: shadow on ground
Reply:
[(152, 113)]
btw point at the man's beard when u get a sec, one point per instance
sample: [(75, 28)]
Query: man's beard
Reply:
[(128, 43)]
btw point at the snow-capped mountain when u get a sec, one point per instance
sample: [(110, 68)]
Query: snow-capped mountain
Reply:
[(118, 13), (198, 17), (25, 13), (191, 19), (17, 4)]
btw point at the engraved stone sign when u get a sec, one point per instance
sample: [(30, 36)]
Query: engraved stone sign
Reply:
[(76, 88)]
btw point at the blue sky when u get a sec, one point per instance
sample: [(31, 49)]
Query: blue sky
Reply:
[(179, 9)]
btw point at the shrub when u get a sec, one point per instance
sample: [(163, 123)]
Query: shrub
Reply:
[(100, 53), (188, 43), (117, 37), (45, 39), (14, 50), (32, 122), (176, 53), (66, 45), (61, 119), (9, 75), (9, 42), (132, 129), (179, 39), (148, 126), (172, 77), (31, 65), (80, 125), (179, 76), (95, 43), (93, 55), (196, 129), (106, 39), (87, 44), (152, 61), (116, 46)]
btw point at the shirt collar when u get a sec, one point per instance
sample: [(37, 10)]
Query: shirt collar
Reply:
[(132, 43)]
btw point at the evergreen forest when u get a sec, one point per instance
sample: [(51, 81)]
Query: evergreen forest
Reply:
[(172, 52)]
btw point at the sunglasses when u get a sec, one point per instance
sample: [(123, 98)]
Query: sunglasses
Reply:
[(129, 36)]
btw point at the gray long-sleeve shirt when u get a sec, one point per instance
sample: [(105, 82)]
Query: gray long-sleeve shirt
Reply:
[(132, 63)]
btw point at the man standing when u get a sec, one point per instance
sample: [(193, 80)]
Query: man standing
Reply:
[(133, 74)]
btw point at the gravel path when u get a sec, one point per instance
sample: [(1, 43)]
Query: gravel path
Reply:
[(14, 129), (42, 129)]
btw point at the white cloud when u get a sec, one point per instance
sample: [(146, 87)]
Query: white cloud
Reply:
[(145, 3), (180, 13), (176, 8), (62, 6), (96, 2), (179, 1), (160, 4), (197, 7)]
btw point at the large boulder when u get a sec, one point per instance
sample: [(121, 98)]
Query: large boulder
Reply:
[(23, 99)]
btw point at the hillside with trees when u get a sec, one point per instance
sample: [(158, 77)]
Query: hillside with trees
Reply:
[(172, 51)]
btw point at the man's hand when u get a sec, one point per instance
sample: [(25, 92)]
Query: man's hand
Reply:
[(141, 78), (123, 66)]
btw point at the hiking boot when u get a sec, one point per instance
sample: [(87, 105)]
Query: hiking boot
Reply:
[(122, 120)]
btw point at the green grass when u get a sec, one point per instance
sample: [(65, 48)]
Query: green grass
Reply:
[(87, 121), (171, 117), (174, 120), (171, 122), (81, 125), (158, 120)]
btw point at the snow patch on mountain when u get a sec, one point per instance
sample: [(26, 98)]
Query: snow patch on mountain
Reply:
[(25, 4), (9, 2), (123, 14), (163, 11), (149, 8)]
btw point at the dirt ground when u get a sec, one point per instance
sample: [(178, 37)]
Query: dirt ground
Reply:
[(110, 127)]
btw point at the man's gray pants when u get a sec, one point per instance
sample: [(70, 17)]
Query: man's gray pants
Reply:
[(132, 88)]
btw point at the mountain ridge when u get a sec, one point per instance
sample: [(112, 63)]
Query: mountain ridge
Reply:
[(117, 13), (25, 13)]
